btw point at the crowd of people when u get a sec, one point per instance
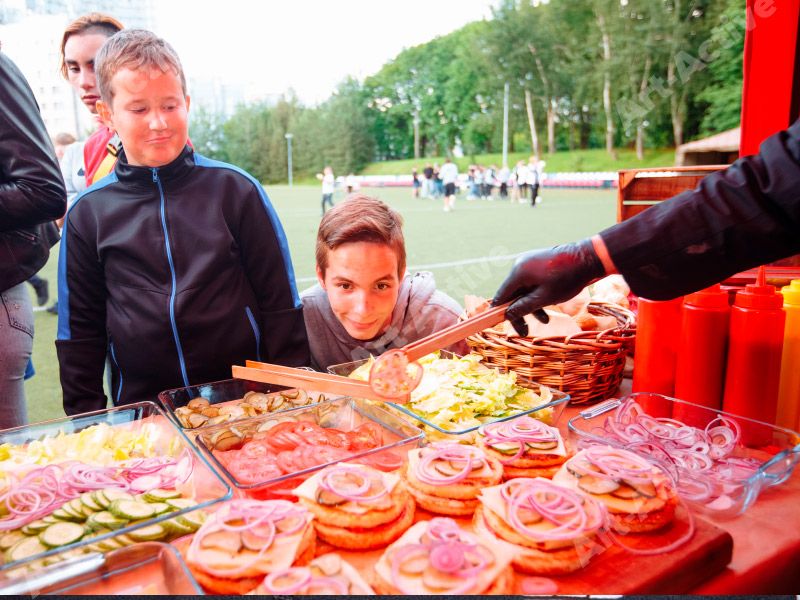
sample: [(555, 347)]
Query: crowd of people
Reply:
[(480, 182), (140, 297)]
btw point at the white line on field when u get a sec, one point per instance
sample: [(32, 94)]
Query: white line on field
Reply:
[(442, 265)]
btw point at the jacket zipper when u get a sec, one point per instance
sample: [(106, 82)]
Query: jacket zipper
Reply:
[(175, 335), (256, 331), (116, 364)]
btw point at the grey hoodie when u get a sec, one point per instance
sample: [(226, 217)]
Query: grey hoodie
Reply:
[(420, 310)]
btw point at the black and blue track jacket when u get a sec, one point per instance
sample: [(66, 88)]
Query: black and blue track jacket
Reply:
[(175, 273)]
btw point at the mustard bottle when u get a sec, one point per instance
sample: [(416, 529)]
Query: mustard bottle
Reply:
[(789, 390)]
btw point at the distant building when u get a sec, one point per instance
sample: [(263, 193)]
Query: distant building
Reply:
[(30, 31), (720, 149)]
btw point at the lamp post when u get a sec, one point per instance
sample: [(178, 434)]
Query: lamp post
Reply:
[(289, 137)]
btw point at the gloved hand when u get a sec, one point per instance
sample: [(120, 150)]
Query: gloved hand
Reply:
[(543, 277)]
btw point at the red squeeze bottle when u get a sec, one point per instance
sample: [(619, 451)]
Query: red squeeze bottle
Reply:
[(754, 355), (701, 355), (657, 327)]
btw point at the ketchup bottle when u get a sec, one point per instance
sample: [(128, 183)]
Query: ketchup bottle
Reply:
[(657, 328), (701, 355), (754, 354), (789, 389)]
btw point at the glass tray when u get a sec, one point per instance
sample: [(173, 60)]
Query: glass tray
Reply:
[(204, 485), (146, 568), (549, 412), (770, 452), (345, 414)]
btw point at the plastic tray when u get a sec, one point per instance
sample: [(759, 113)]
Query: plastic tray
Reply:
[(227, 391), (345, 414), (549, 412), (206, 486), (147, 568), (773, 451)]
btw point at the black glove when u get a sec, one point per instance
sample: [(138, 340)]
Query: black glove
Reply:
[(544, 277)]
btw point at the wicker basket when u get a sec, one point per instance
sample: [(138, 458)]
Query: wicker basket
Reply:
[(588, 365)]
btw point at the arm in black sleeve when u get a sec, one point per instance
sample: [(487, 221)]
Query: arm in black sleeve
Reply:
[(82, 340), (739, 218), (265, 254), (31, 188)]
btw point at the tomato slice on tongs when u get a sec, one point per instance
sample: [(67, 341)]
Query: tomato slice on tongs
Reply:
[(396, 373)]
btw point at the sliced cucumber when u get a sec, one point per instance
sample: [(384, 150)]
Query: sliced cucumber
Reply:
[(107, 520), (131, 509), (50, 519), (11, 538), (178, 528), (111, 494), (506, 447), (66, 514), (161, 507), (25, 548), (181, 503), (75, 505), (151, 533), (193, 520), (160, 495), (89, 502), (124, 540), (99, 499), (110, 544), (61, 534)]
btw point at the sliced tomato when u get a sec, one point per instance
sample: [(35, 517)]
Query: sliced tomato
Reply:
[(365, 437)]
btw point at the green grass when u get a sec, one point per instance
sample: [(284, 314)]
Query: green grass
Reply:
[(578, 160), (479, 235)]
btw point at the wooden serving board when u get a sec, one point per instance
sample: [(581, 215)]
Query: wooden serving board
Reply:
[(614, 570)]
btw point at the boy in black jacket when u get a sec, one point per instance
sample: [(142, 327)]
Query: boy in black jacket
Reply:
[(175, 266)]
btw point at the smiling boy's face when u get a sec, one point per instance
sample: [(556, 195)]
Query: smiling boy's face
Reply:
[(362, 284), (149, 112)]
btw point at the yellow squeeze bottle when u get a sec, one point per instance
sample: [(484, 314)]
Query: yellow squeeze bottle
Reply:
[(789, 390)]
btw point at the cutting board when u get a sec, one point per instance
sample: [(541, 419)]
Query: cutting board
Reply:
[(614, 570)]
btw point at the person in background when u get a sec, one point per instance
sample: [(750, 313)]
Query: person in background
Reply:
[(365, 303), (351, 183), (449, 174), (32, 196), (503, 176), (79, 43), (428, 182), (328, 187), (415, 183), (535, 171), (744, 216), (177, 266)]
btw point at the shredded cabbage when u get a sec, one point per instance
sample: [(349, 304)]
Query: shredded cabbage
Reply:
[(461, 393)]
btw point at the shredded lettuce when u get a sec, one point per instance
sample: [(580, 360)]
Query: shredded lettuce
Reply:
[(99, 444), (461, 393)]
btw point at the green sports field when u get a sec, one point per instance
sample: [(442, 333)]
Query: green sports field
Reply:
[(469, 251)]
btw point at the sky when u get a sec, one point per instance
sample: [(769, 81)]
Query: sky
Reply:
[(306, 45)]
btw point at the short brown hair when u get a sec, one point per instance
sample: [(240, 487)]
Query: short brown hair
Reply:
[(92, 23), (134, 49), (361, 218)]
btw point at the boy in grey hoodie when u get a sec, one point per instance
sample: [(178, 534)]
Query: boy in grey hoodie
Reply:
[(364, 304)]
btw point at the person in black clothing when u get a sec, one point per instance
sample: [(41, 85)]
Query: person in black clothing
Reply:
[(32, 196), (736, 219), (175, 266)]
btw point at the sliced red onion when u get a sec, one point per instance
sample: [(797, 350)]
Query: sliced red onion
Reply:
[(302, 574)]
